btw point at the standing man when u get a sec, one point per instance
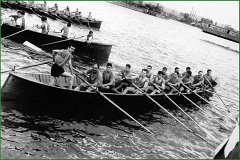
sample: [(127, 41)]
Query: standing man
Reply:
[(45, 26), (66, 30), (89, 37), (61, 58)]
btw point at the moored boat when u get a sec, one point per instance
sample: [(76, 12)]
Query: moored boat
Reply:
[(226, 33), (93, 52), (32, 87)]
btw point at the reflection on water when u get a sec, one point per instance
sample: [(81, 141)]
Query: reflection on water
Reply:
[(139, 39)]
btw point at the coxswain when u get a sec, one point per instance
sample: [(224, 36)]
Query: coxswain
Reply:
[(140, 81), (61, 59), (124, 77), (108, 79), (44, 26), (93, 77)]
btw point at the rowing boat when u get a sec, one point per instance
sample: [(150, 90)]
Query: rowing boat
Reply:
[(96, 24), (93, 52), (33, 87)]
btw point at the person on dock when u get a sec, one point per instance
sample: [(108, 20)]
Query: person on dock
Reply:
[(66, 30), (198, 80), (187, 80), (123, 78), (141, 81), (108, 79), (173, 81), (93, 77), (149, 73), (185, 73), (45, 26), (165, 75), (89, 37), (61, 59), (158, 83), (19, 19)]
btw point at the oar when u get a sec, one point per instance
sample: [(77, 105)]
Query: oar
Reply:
[(206, 101), (186, 113), (35, 12), (217, 94), (222, 96), (28, 66), (114, 104), (18, 32), (46, 44), (171, 115), (7, 5)]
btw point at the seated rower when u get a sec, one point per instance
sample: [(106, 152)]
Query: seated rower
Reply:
[(66, 30), (208, 78), (198, 81), (185, 73), (165, 75), (45, 26), (158, 83), (93, 78), (149, 73), (77, 14), (123, 78), (54, 9), (141, 81), (89, 37), (108, 79), (67, 11), (176, 71), (187, 80), (173, 81)]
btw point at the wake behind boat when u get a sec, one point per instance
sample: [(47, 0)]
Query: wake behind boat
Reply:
[(93, 52)]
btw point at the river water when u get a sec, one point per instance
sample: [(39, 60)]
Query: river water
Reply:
[(138, 39)]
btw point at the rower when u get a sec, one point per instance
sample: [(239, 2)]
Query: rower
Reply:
[(66, 30), (198, 80), (208, 75), (89, 37), (185, 73), (90, 16), (159, 82), (61, 58), (123, 78), (149, 73), (67, 11), (108, 79), (77, 14), (187, 80), (141, 81), (176, 70), (45, 26), (173, 81), (93, 78), (19, 19), (165, 75), (55, 9)]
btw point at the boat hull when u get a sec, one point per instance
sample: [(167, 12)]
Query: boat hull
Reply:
[(20, 89), (93, 52), (220, 34)]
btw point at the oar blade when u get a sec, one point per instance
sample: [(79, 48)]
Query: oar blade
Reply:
[(30, 45)]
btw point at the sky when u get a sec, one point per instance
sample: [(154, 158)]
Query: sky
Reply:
[(223, 12)]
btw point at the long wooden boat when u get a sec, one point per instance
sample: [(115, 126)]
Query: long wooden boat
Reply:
[(93, 52), (221, 32), (95, 24), (33, 87)]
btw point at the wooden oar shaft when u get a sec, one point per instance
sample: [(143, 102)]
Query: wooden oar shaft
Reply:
[(18, 32), (62, 41), (222, 96), (114, 104), (172, 115), (216, 93), (32, 65)]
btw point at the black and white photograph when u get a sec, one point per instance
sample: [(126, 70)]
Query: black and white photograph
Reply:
[(119, 79)]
